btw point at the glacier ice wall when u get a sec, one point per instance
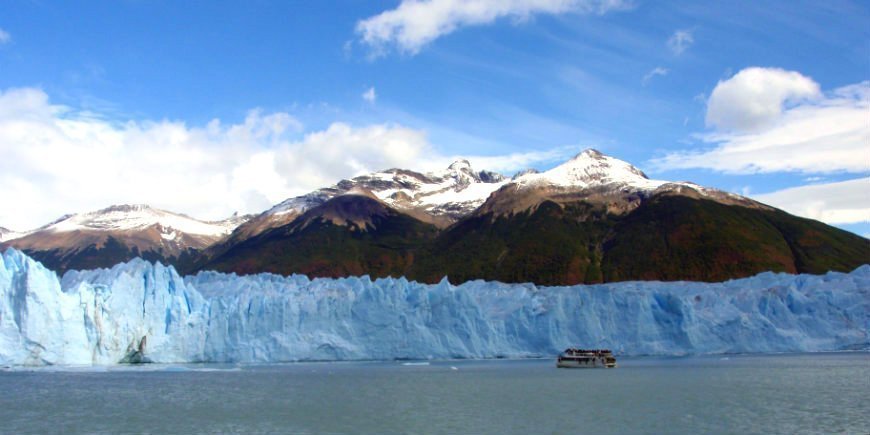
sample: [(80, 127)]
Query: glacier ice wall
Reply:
[(100, 316)]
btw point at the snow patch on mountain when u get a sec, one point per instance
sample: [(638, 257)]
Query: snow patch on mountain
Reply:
[(591, 168), (139, 216), (453, 192), (109, 315), (7, 234), (591, 171), (300, 204)]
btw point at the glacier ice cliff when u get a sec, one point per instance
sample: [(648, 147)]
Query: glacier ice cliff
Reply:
[(101, 316)]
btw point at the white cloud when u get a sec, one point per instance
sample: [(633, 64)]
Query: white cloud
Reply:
[(341, 151), (754, 98), (771, 120), (58, 160), (845, 202), (370, 95), (5, 37), (680, 41), (657, 71), (415, 23)]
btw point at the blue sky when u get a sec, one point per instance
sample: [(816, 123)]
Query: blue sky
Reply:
[(265, 88)]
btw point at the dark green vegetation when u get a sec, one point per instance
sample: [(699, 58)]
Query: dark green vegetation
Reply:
[(666, 238), (109, 254), (673, 238), (551, 245), (375, 240)]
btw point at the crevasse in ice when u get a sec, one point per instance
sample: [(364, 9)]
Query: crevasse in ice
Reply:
[(101, 316)]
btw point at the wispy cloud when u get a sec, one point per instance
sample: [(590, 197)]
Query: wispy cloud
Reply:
[(770, 120), (657, 71), (510, 163), (370, 95), (414, 23), (680, 41), (5, 37), (845, 202)]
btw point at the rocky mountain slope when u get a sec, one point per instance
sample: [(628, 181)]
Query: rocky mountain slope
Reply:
[(592, 219), (7, 234), (440, 198), (119, 233), (350, 234)]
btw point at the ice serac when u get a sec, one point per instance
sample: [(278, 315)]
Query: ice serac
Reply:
[(102, 316), (96, 317)]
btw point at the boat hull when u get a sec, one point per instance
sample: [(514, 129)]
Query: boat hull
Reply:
[(577, 364)]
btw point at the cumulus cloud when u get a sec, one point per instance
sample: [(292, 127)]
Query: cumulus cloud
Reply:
[(769, 120), (370, 95), (755, 97), (5, 37), (415, 23), (680, 41), (58, 160), (657, 71), (845, 202)]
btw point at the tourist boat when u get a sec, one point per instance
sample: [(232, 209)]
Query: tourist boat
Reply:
[(586, 358)]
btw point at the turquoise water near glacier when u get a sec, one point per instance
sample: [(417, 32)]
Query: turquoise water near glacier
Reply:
[(798, 393)]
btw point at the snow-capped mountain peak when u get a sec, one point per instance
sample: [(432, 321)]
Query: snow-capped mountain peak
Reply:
[(595, 177), (128, 217), (103, 237), (449, 193), (445, 196), (7, 234), (591, 168)]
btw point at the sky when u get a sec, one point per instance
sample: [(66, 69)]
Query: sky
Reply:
[(214, 107)]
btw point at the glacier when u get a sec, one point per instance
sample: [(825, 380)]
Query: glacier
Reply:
[(102, 317)]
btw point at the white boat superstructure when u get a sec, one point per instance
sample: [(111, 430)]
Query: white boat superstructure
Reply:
[(586, 358)]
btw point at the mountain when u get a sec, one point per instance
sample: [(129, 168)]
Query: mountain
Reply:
[(592, 219), (440, 198), (119, 233), (598, 179), (354, 233), (599, 219), (7, 234)]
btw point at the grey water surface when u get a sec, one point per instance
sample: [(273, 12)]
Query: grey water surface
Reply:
[(799, 393)]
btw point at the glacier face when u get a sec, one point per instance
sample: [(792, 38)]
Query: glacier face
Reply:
[(101, 316)]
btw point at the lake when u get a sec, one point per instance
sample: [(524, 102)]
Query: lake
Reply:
[(795, 393)]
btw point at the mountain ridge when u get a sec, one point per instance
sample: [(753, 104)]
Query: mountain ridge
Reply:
[(118, 233), (594, 218)]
